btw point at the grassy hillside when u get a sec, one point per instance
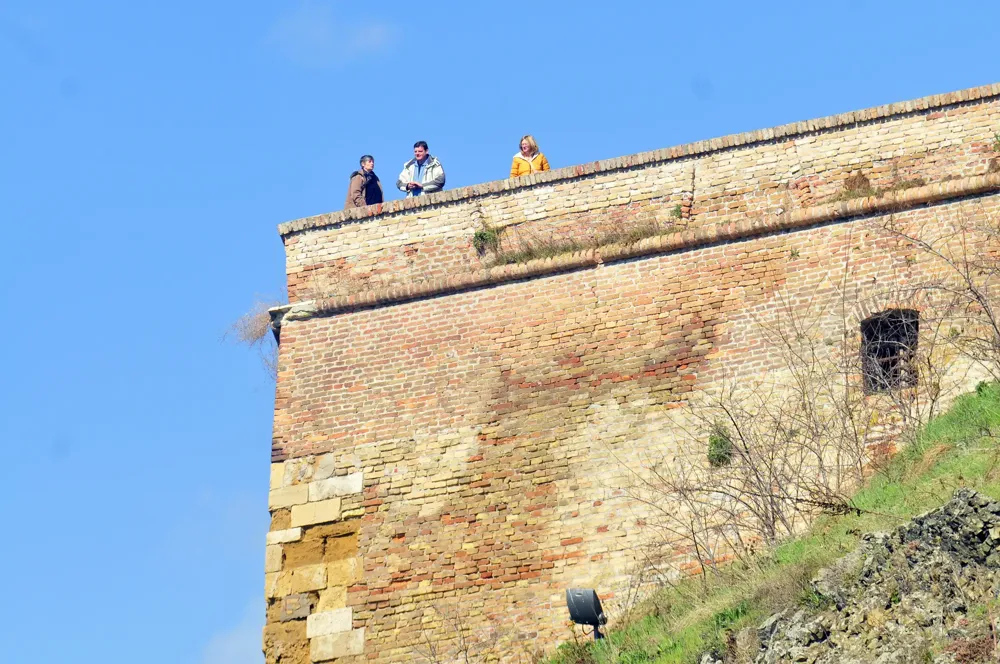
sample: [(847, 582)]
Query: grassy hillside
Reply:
[(959, 448)]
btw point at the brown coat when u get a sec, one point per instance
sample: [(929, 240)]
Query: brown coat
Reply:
[(358, 196), (356, 191)]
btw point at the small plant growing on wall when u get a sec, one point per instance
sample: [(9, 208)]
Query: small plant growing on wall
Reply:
[(856, 186), (720, 447), (676, 212), (996, 142), (486, 239)]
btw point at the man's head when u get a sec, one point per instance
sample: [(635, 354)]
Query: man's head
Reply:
[(420, 150), (367, 163)]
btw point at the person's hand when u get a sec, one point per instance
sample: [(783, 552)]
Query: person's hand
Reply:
[(412, 185)]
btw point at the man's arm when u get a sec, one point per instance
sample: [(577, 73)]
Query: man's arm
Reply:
[(403, 179), (437, 184), (356, 192)]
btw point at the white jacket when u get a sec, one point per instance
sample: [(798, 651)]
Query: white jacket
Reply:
[(431, 178)]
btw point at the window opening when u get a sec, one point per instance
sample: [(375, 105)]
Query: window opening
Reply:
[(888, 345)]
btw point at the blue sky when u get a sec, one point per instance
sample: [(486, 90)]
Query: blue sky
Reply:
[(147, 151)]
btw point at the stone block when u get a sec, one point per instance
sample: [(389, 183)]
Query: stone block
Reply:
[(283, 536), (271, 585), (286, 643), (272, 558), (298, 471), (297, 607), (343, 485), (334, 597), (309, 577), (313, 513), (301, 580), (344, 572), (326, 466), (277, 475), (339, 548), (307, 551), (287, 496), (329, 622), (345, 644)]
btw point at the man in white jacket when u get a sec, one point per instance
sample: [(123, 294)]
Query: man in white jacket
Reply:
[(421, 175)]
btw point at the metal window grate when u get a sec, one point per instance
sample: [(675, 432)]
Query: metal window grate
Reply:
[(888, 345)]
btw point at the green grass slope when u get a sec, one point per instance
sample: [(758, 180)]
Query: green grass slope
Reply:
[(961, 448)]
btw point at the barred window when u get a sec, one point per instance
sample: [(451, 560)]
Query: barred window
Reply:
[(888, 346)]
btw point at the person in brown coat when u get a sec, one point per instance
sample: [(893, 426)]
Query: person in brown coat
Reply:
[(365, 187)]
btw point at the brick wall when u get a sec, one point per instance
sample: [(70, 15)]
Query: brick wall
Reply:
[(458, 441)]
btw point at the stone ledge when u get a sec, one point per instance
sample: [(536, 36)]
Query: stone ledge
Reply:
[(708, 146), (722, 231), (284, 536)]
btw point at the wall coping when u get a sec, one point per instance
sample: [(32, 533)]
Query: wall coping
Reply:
[(723, 231), (438, 199)]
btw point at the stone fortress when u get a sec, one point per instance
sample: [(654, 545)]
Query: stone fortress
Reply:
[(450, 428)]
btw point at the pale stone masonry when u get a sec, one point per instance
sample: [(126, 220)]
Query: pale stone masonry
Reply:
[(451, 435), (306, 579)]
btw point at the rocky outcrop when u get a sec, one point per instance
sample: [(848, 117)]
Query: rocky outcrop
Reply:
[(917, 594)]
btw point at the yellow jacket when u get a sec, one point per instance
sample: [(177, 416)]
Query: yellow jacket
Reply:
[(522, 166)]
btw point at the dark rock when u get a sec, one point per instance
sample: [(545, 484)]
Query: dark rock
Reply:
[(898, 593)]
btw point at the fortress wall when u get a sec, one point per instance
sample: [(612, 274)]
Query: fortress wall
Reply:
[(455, 444), (487, 436), (753, 175)]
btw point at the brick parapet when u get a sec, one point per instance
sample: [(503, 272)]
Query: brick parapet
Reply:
[(696, 148), (724, 231), (421, 243)]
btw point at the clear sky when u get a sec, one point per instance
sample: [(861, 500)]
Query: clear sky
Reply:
[(147, 151)]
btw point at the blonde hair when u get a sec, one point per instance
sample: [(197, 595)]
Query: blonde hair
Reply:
[(531, 143)]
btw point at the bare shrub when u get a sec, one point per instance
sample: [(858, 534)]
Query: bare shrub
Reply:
[(972, 650), (758, 459), (965, 290), (253, 329)]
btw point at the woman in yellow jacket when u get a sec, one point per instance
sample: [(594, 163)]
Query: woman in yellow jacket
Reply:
[(529, 160)]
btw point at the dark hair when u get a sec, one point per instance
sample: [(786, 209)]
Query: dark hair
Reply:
[(366, 158), (421, 144)]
